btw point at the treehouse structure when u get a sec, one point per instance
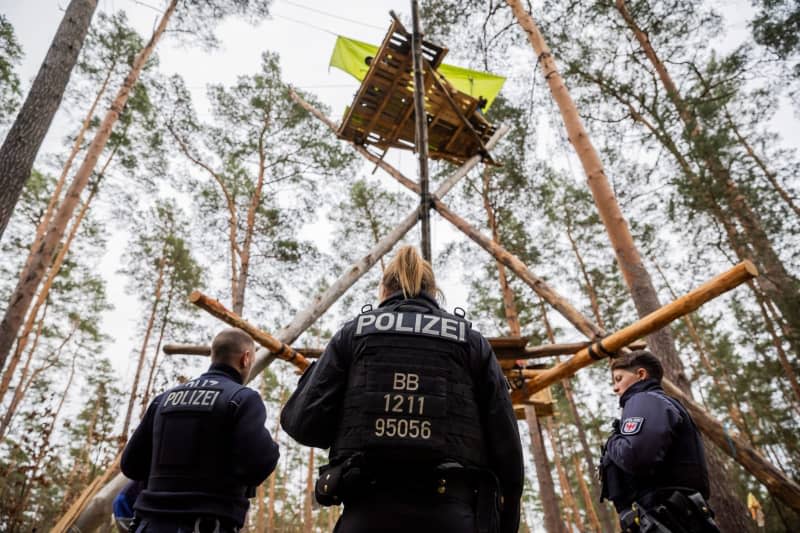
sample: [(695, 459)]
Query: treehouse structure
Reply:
[(382, 113)]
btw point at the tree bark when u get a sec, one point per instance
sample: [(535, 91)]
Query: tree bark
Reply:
[(563, 480), (162, 263), (44, 292), (587, 497), (308, 522), (605, 514), (25, 137), (552, 516), (154, 364), (55, 197), (32, 276)]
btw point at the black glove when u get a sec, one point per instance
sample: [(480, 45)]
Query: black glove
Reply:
[(615, 425)]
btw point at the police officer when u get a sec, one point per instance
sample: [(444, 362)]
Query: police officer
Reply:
[(415, 410), (202, 446), (122, 505), (653, 466)]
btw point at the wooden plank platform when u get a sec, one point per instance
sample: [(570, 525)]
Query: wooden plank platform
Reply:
[(382, 112)]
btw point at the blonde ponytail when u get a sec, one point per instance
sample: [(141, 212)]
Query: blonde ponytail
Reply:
[(410, 273)]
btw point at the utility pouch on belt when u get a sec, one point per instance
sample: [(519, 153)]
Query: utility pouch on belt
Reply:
[(338, 481), (488, 501)]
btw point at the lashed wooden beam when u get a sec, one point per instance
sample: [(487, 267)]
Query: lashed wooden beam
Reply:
[(644, 326), (501, 352), (205, 350), (277, 348)]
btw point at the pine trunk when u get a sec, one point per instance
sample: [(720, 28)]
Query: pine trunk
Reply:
[(547, 490), (143, 351), (41, 298), (55, 197), (308, 517), (563, 480), (605, 514), (587, 497), (31, 277), (23, 140), (148, 389), (19, 392)]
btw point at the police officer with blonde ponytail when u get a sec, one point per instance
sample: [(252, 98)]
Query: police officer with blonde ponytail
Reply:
[(414, 408)]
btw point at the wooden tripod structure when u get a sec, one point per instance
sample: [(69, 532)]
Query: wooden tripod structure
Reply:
[(599, 347)]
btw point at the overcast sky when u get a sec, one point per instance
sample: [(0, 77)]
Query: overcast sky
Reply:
[(302, 33)]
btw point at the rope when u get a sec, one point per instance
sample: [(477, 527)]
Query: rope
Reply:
[(729, 440), (295, 4), (303, 23)]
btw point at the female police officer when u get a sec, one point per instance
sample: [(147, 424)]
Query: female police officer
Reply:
[(416, 413), (653, 466)]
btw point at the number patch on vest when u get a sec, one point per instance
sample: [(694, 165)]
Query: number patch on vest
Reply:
[(631, 426), (183, 400), (409, 410)]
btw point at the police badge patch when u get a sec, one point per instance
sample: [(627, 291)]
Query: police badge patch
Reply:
[(631, 426)]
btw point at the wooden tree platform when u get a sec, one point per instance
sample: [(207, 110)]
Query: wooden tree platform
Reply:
[(382, 112)]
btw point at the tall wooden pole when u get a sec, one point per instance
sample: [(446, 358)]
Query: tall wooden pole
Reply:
[(552, 516), (637, 279), (421, 123)]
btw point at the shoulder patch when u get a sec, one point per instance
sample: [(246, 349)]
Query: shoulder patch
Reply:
[(632, 425)]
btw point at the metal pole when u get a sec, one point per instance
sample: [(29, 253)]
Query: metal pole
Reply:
[(421, 122)]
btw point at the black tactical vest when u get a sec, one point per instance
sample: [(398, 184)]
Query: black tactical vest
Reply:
[(192, 431), (410, 396), (684, 466), (685, 462)]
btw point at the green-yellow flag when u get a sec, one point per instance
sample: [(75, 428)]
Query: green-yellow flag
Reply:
[(351, 56)]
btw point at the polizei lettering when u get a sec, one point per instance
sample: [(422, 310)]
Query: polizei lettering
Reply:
[(412, 323), (190, 400)]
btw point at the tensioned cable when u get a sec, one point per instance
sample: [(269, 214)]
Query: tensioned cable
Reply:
[(332, 15), (304, 23)]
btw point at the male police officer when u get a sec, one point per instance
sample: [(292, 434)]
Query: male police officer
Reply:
[(202, 446), (653, 466)]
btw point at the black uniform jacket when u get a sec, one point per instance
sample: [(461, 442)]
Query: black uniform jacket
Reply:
[(253, 455), (313, 412), (657, 444)]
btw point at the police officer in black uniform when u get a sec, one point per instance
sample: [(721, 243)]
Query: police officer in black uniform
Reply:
[(653, 466), (202, 447), (416, 412)]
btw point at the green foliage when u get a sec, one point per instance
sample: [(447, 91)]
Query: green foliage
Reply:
[(10, 57)]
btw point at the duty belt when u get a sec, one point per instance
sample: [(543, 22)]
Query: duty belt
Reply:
[(669, 510)]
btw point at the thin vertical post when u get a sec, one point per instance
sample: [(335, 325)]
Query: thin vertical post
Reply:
[(421, 123)]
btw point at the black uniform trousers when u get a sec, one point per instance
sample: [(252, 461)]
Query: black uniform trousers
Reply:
[(180, 524), (390, 513)]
